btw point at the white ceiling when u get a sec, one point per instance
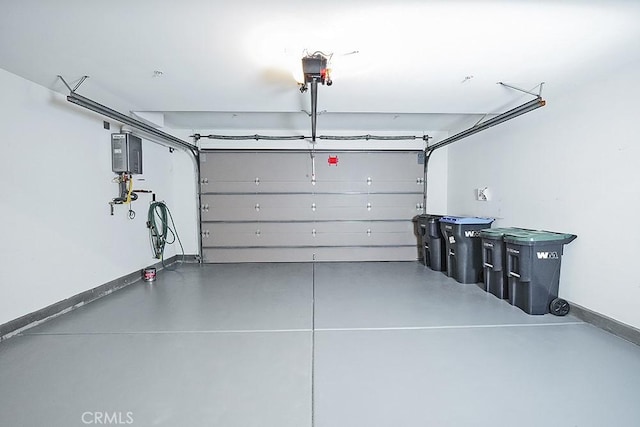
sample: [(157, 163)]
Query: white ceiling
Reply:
[(420, 64)]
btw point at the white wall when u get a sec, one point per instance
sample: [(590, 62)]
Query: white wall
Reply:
[(571, 166), (437, 182), (58, 237)]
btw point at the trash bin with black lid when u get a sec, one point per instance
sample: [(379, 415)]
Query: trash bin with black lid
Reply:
[(494, 261), (420, 222), (464, 246), (434, 251), (533, 270), (430, 241)]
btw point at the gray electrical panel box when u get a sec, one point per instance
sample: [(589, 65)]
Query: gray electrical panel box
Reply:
[(126, 153)]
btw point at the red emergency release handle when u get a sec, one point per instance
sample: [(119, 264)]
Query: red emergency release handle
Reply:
[(333, 160)]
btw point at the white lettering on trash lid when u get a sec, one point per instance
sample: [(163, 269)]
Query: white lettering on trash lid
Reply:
[(547, 255), (472, 233)]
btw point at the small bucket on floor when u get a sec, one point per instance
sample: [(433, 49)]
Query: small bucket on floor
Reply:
[(149, 274)]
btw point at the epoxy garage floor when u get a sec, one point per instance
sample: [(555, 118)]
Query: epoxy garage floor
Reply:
[(330, 345)]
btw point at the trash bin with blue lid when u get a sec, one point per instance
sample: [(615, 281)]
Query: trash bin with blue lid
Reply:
[(464, 246), (533, 270), (494, 260)]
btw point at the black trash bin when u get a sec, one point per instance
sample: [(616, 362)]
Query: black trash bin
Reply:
[(431, 241), (464, 246), (533, 270), (434, 251), (421, 229), (494, 261)]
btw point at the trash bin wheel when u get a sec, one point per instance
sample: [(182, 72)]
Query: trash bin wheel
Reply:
[(559, 307)]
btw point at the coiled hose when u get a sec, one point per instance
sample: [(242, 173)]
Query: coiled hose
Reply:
[(160, 232)]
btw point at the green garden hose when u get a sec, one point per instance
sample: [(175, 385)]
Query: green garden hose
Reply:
[(160, 232)]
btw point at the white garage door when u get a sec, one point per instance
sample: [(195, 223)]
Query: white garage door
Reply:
[(266, 207)]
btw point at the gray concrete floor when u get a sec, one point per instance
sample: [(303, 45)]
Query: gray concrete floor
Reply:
[(386, 344)]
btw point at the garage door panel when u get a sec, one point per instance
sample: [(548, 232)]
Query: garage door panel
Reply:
[(307, 234), (318, 207), (395, 199), (414, 186), (212, 255), (343, 206), (340, 187), (263, 200), (307, 238), (263, 172), (379, 166), (402, 227), (259, 234), (247, 166), (366, 207), (321, 254), (222, 187), (395, 167), (395, 206), (366, 254), (372, 238), (372, 186), (257, 238), (261, 214), (349, 168), (257, 207)]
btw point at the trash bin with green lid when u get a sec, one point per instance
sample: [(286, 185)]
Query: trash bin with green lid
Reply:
[(464, 246), (533, 270), (494, 260)]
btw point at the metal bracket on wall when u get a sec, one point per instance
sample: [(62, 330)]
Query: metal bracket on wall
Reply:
[(508, 115), (77, 85), (537, 95)]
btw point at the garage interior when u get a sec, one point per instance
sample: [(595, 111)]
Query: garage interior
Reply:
[(289, 286)]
